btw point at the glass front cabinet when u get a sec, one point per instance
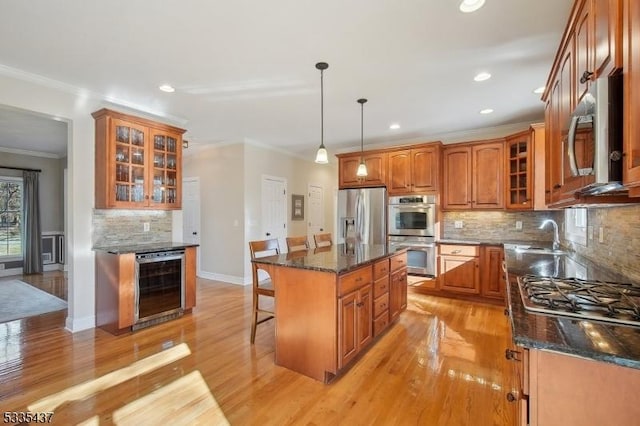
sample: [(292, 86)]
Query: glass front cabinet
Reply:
[(138, 162), (519, 172)]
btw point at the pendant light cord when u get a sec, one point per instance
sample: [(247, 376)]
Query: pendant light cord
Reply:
[(322, 108), (361, 130)]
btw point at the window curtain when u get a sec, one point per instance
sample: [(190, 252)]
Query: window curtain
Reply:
[(32, 245)]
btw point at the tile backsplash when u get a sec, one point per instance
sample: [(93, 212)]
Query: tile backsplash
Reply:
[(499, 225), (620, 249), (113, 227)]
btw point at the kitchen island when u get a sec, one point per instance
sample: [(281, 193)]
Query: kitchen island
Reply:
[(332, 303)]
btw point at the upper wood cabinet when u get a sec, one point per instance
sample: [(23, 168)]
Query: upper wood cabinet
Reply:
[(376, 169), (415, 170), (138, 162), (631, 81), (519, 168), (591, 47), (474, 176)]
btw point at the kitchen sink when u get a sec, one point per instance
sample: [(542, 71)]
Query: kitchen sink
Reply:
[(540, 250)]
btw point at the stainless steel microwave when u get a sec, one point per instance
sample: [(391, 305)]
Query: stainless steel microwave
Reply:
[(598, 117)]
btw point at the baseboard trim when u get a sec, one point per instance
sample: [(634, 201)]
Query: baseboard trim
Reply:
[(12, 271), (79, 324), (231, 279)]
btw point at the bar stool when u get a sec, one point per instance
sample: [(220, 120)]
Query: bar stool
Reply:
[(297, 243), (323, 240), (259, 249)]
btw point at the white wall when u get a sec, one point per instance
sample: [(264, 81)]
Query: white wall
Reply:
[(230, 186), (76, 110), (220, 170), (298, 173)]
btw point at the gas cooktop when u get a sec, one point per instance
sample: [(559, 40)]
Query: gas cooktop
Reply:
[(592, 300)]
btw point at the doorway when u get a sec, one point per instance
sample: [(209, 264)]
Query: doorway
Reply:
[(316, 210), (274, 209)]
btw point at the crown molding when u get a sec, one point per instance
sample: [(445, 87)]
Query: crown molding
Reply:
[(117, 103), (31, 153)]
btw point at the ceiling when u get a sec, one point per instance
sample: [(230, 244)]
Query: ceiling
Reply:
[(245, 70)]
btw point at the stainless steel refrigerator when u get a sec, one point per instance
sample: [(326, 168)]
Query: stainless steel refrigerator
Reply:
[(362, 215)]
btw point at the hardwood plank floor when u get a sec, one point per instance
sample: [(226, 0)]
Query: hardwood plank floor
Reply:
[(441, 363)]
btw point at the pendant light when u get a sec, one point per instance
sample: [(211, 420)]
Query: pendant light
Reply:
[(362, 168), (321, 155)]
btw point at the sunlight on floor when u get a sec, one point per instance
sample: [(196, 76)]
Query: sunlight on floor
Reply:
[(186, 400)]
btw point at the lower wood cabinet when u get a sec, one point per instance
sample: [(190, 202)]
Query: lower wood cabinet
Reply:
[(380, 296), (552, 388), (116, 288), (492, 279), (355, 322), (398, 286), (469, 271), (459, 268)]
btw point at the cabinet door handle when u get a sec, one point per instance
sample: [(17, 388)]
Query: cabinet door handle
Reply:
[(510, 354), (512, 397), (586, 76), (456, 251), (557, 186)]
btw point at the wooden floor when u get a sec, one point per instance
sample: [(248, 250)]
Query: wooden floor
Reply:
[(441, 363)]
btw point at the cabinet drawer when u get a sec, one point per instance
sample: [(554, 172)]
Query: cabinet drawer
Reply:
[(398, 261), (458, 250), (380, 305), (380, 287), (380, 324), (354, 280), (380, 269)]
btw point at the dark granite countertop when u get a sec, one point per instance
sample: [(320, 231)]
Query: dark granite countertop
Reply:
[(339, 258), (144, 248), (597, 340)]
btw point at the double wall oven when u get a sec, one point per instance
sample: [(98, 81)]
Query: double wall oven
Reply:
[(412, 226)]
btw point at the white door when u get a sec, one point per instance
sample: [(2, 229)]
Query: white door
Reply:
[(274, 209), (315, 210), (191, 210)]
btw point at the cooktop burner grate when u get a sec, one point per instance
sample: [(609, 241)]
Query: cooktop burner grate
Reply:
[(594, 300)]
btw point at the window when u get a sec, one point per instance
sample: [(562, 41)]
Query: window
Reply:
[(575, 228), (10, 217)]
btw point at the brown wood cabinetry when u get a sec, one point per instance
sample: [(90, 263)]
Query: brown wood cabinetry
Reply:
[(376, 169), (590, 48), (380, 296), (519, 167), (415, 170), (138, 162), (552, 389), (115, 288), (492, 279), (473, 176), (398, 285), (459, 268), (355, 323), (631, 81)]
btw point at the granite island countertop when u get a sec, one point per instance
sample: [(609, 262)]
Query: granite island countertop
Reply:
[(144, 247), (597, 340), (338, 258)]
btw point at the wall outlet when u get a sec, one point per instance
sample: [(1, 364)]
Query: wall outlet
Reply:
[(146, 226), (518, 225), (458, 224), (601, 235)]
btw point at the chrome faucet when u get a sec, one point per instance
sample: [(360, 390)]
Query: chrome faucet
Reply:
[(556, 236)]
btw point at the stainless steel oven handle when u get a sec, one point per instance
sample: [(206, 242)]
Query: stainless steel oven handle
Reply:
[(143, 259)]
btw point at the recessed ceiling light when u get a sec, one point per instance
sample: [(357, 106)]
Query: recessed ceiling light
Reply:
[(539, 90), (486, 111), (394, 126), (468, 6), (482, 76), (167, 88)]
